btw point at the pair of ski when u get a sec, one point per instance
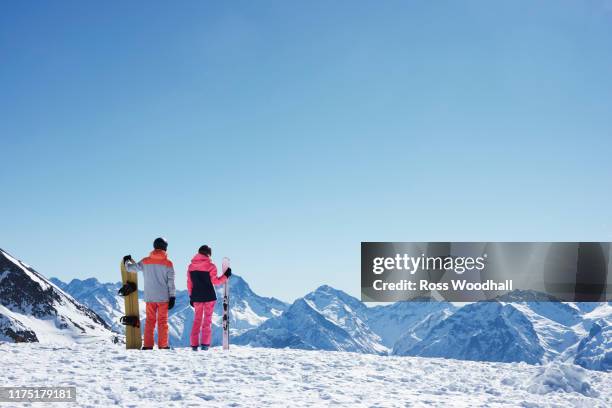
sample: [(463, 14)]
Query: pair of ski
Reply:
[(224, 267), (131, 320)]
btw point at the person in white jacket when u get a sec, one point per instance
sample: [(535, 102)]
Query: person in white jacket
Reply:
[(159, 291)]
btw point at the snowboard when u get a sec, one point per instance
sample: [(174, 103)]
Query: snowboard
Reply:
[(224, 265), (131, 320)]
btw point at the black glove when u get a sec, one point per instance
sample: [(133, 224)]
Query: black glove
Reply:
[(171, 302), (228, 273), (191, 303), (127, 258)]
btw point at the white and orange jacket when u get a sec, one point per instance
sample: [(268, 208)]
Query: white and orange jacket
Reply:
[(158, 274)]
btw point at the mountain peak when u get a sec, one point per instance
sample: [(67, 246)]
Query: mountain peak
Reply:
[(85, 281), (325, 288), (469, 334), (327, 291), (26, 292), (520, 295)]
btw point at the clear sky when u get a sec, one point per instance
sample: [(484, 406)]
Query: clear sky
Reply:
[(285, 133)]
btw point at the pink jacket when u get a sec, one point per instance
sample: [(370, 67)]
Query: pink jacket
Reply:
[(202, 264)]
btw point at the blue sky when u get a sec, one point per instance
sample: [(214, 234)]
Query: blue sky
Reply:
[(283, 134)]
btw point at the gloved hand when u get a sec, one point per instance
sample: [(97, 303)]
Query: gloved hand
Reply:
[(191, 303), (228, 272), (127, 258), (171, 302)]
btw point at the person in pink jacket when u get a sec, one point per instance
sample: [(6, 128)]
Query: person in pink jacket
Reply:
[(201, 281)]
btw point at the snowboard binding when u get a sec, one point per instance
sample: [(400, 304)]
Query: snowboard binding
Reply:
[(129, 287), (130, 321)]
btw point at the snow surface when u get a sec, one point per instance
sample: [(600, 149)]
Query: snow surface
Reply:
[(106, 375), (563, 377)]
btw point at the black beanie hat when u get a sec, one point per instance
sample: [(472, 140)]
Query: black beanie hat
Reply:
[(205, 250), (160, 243)]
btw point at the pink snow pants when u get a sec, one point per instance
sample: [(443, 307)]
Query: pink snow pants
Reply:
[(203, 325)]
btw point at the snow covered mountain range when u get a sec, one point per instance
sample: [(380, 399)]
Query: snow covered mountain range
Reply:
[(32, 309), (523, 326), (249, 310), (329, 319)]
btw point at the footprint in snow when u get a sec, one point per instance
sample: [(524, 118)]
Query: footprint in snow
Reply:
[(205, 397), (176, 396)]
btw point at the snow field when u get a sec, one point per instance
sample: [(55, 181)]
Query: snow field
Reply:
[(107, 375)]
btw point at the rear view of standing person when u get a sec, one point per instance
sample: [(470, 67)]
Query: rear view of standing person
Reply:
[(159, 292), (201, 281)]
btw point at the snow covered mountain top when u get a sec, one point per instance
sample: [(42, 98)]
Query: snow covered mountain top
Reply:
[(263, 377), (407, 320), (595, 350), (303, 326), (249, 308), (520, 295), (326, 296), (79, 287), (34, 309), (487, 331), (600, 311), (325, 319)]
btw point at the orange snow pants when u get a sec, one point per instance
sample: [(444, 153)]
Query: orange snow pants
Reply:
[(156, 312)]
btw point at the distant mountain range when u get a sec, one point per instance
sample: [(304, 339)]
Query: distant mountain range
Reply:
[(249, 310), (326, 319), (522, 326), (330, 319)]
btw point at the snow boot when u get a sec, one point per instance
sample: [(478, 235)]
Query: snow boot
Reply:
[(194, 348), (204, 346), (147, 348)]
